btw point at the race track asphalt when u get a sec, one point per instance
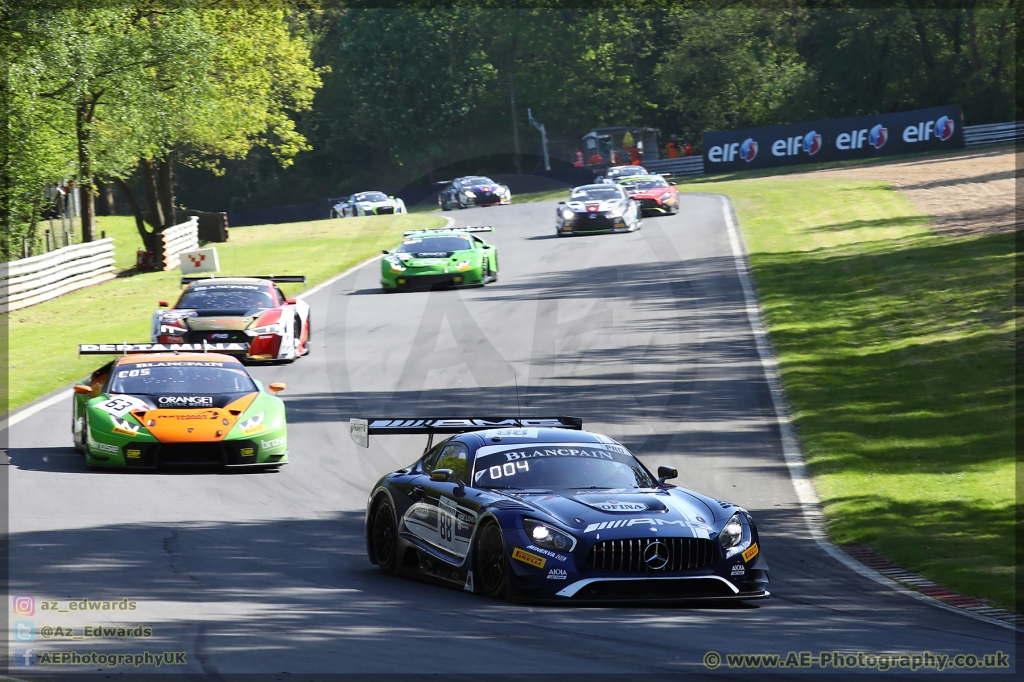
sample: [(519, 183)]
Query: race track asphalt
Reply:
[(643, 335)]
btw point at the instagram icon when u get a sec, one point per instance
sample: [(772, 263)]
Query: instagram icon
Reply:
[(24, 605)]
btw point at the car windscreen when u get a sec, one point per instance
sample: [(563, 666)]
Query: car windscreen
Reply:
[(478, 180), (435, 245), (644, 185), (623, 172), (181, 378), (372, 196), (559, 466), (596, 194), (227, 297)]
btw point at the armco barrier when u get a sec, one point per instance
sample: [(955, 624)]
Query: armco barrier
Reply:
[(33, 280), (993, 133), (178, 240), (684, 165)]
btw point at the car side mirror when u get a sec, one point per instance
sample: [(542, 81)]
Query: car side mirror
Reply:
[(163, 304), (82, 390), (560, 203), (279, 386), (448, 476), (665, 473), (291, 301), (385, 251), (442, 475)]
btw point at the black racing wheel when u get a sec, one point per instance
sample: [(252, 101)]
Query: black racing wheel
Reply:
[(491, 564), (384, 536)]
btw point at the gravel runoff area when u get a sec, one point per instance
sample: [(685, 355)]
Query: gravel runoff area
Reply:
[(967, 192)]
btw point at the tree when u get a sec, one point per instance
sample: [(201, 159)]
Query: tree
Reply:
[(255, 72), (103, 71), (732, 68)]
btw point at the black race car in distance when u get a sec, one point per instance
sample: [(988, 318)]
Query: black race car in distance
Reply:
[(597, 208), (473, 190), (538, 510)]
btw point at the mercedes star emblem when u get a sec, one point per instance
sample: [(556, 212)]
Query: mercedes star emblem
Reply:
[(656, 555)]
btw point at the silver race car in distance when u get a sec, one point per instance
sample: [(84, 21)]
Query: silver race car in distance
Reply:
[(597, 208), (368, 203)]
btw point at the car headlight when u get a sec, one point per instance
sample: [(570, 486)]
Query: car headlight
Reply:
[(469, 194), (267, 329), (366, 207), (549, 537), (464, 265), (665, 197), (735, 536), (618, 212), (568, 214)]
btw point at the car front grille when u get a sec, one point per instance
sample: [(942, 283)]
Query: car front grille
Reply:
[(587, 222), (234, 336), (628, 555), (641, 589), (649, 203), (191, 453), (426, 281), (385, 210)]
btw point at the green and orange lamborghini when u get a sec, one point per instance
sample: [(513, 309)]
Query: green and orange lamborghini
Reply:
[(161, 405)]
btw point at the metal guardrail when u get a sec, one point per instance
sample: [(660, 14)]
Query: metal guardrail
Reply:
[(178, 240), (684, 165), (993, 133), (40, 278)]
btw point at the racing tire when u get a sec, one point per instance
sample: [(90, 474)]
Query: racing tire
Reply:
[(309, 335), (490, 562), (384, 536), (80, 441)]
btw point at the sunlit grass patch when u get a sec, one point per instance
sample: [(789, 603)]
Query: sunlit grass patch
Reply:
[(896, 351)]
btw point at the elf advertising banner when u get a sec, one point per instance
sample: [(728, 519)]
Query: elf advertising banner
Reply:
[(860, 137)]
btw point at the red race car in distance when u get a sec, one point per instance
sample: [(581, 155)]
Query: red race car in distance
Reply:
[(653, 193), (250, 310)]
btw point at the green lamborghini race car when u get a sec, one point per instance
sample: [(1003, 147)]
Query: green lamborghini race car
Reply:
[(159, 405), (440, 258)]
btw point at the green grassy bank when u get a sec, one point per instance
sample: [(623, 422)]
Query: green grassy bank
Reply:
[(44, 338), (896, 351)]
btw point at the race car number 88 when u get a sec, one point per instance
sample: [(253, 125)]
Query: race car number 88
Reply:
[(507, 469)]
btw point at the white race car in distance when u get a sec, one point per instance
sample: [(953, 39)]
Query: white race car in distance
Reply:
[(368, 203)]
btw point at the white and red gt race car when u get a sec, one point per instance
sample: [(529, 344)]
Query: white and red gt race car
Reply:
[(250, 310)]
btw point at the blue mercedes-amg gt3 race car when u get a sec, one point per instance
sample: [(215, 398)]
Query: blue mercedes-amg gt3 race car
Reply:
[(538, 510)]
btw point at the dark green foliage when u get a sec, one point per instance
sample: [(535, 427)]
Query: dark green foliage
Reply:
[(412, 90)]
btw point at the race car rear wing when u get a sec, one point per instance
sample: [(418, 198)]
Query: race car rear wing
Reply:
[(362, 429), (136, 348), (277, 279), (479, 228)]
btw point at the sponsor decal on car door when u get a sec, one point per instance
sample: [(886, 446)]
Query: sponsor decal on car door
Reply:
[(454, 527)]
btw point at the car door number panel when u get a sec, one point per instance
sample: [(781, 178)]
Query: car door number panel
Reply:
[(447, 526)]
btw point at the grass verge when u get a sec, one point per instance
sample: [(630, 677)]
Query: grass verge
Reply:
[(896, 348), (43, 338)]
